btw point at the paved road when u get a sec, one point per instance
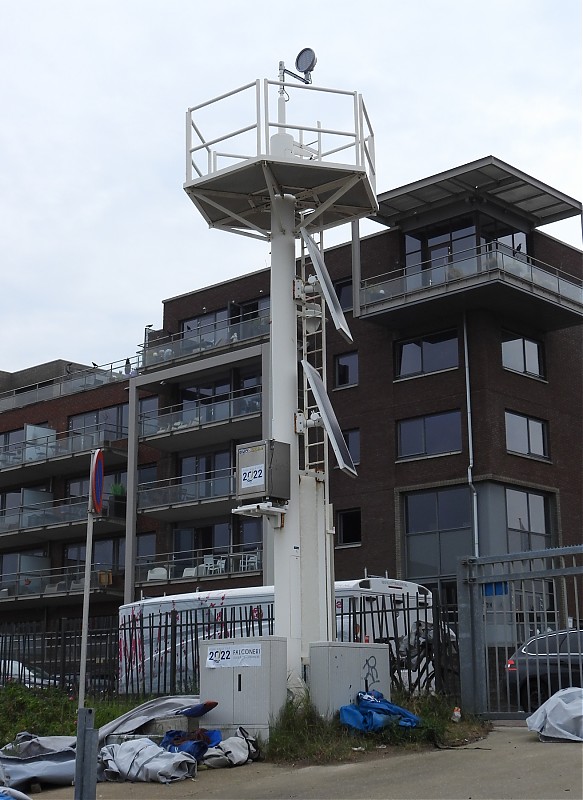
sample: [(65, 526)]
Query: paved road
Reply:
[(511, 764)]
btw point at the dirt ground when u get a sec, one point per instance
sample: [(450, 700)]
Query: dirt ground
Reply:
[(510, 764)]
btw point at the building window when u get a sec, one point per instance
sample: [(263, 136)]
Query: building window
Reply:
[(427, 354), (344, 293), (438, 530), (346, 370), (348, 530), (528, 520), (522, 355), (352, 439), (435, 434), (112, 422), (206, 329), (526, 435)]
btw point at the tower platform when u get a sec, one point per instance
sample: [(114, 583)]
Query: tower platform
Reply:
[(329, 171)]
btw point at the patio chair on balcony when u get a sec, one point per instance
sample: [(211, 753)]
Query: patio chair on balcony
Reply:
[(249, 561), (157, 574), (55, 588)]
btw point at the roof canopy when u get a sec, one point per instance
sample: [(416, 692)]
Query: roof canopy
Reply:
[(487, 181)]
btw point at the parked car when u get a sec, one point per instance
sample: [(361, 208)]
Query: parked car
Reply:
[(543, 665), (18, 672)]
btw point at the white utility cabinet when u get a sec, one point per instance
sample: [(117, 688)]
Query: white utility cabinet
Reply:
[(248, 679), (339, 670)]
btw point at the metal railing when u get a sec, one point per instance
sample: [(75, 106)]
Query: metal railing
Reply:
[(164, 349), (159, 652), (186, 489), (204, 563), (159, 349), (205, 412), (57, 445), (504, 601), (71, 580), (214, 149), (493, 261), (40, 515), (70, 383)]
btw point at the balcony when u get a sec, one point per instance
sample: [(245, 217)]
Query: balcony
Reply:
[(55, 519), (204, 341), (188, 496), (58, 453), (200, 565), (196, 425), (71, 383), (61, 586), (494, 277)]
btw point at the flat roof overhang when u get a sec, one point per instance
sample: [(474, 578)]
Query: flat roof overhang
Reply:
[(67, 464), (487, 182), (240, 428), (188, 509), (502, 297)]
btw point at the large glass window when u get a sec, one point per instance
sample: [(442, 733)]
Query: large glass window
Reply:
[(435, 434), (438, 530), (206, 330), (113, 421), (348, 526), (346, 370), (528, 520), (526, 435), (427, 354), (522, 355), (249, 319)]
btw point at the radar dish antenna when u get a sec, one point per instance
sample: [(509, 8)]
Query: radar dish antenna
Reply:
[(327, 287), (328, 417)]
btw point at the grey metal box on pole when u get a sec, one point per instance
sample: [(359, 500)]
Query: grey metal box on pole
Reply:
[(263, 470)]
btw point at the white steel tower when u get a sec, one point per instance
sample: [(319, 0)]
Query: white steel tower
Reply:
[(285, 175)]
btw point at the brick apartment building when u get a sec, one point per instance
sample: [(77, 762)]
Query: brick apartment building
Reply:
[(460, 401)]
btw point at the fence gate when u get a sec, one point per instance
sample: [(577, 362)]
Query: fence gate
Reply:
[(505, 601)]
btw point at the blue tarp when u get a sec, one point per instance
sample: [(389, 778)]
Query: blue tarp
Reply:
[(372, 712)]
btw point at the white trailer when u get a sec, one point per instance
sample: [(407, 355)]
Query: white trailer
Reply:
[(159, 636)]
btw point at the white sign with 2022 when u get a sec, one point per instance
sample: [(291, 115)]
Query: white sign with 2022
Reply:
[(231, 655)]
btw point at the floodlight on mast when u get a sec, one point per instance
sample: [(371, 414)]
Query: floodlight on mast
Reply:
[(305, 62)]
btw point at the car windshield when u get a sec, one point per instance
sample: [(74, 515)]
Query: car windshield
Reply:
[(38, 674)]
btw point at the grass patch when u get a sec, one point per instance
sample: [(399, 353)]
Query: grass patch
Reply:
[(48, 712), (301, 735)]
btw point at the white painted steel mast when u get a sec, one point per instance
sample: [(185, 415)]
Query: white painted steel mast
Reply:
[(286, 188)]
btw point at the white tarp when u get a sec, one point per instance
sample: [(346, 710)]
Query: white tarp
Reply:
[(561, 717), (143, 760)]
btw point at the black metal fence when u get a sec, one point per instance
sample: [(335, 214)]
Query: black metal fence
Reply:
[(158, 654)]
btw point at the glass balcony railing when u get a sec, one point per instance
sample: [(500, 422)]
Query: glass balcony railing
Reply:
[(70, 383), (39, 515), (486, 261), (70, 580), (186, 489), (202, 340), (209, 562), (158, 351), (58, 445), (204, 412)]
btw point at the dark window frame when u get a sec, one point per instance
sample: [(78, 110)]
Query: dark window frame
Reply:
[(508, 337), (342, 520), (349, 367), (424, 343), (425, 434), (530, 423)]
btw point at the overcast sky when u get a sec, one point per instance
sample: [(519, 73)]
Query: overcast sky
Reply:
[(95, 228)]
